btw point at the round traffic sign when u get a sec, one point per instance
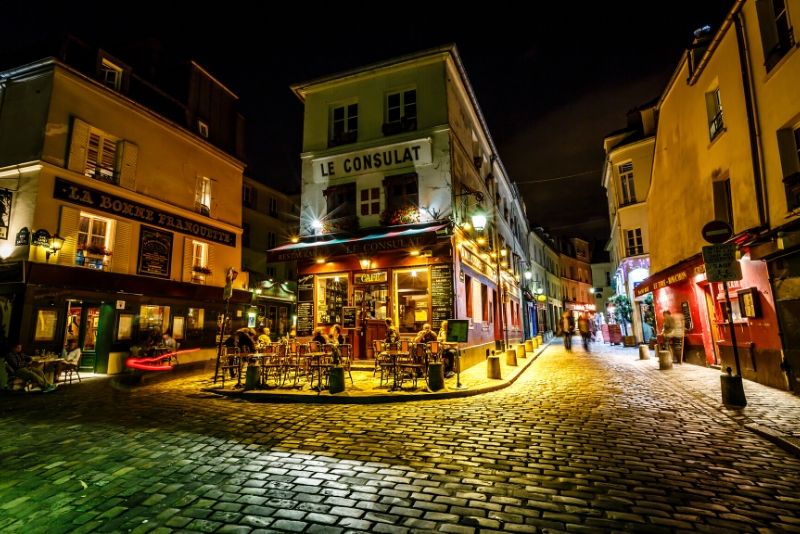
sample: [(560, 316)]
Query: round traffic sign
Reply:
[(717, 232)]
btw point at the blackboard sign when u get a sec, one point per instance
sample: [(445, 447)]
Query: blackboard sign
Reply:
[(349, 316), (305, 288), (305, 318), (441, 294), (155, 253), (687, 316)]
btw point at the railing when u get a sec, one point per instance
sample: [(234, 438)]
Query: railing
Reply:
[(716, 125)]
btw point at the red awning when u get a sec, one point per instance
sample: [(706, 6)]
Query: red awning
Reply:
[(378, 241), (671, 275)]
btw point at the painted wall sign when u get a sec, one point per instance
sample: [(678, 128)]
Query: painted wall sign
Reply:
[(415, 153), (23, 237), (5, 212), (108, 203), (155, 253), (370, 278)]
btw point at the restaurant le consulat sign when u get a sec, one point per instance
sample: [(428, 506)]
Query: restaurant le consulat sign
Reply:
[(108, 203), (383, 158)]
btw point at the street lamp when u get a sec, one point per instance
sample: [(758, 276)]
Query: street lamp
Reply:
[(54, 244), (478, 219)]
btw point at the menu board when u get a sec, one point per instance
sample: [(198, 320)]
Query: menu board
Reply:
[(155, 252), (349, 316), (305, 288), (305, 318), (441, 294)]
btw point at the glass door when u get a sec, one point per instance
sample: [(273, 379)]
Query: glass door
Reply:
[(412, 299)]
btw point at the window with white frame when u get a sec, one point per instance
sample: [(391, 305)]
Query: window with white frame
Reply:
[(626, 183), (200, 267), (723, 204), (777, 37), (634, 242), (370, 201), (249, 196), (401, 112), (110, 74), (94, 241), (344, 124), (202, 197), (101, 156), (714, 112)]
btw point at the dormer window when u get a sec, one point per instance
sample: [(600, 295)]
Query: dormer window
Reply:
[(110, 74)]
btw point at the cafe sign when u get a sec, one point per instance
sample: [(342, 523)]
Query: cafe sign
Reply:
[(378, 277), (115, 205), (411, 153)]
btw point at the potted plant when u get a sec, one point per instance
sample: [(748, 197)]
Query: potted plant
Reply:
[(201, 269), (96, 250)]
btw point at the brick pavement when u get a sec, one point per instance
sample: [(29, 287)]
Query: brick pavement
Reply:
[(580, 442)]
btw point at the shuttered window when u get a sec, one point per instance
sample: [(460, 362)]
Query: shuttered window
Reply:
[(101, 156)]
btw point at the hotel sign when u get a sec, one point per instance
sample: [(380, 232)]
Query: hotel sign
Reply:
[(383, 158), (108, 203)]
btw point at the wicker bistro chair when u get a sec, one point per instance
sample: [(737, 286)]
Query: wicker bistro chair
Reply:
[(67, 369), (274, 364), (414, 364), (383, 362), (231, 362)]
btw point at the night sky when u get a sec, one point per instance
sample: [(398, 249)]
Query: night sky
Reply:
[(551, 85)]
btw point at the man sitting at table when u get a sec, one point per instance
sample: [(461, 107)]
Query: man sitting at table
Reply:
[(72, 358), (448, 354), (425, 335), (20, 364)]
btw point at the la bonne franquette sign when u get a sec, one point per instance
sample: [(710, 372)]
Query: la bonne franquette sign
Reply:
[(416, 153)]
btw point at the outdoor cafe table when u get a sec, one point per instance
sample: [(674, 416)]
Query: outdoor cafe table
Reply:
[(394, 354), (48, 365), (314, 361)]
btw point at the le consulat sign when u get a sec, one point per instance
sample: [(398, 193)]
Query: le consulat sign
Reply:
[(115, 205), (411, 153)]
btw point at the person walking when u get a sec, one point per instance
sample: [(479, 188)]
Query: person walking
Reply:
[(585, 329), (566, 327)]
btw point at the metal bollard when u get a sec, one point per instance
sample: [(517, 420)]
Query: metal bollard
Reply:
[(435, 376), (251, 378), (664, 359), (644, 352)]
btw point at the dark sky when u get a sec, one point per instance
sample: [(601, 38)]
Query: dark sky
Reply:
[(550, 84)]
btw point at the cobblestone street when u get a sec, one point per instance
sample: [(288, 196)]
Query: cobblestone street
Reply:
[(580, 443)]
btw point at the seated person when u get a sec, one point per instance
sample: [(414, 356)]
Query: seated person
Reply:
[(168, 342), (20, 364), (319, 337), (448, 354), (392, 335), (72, 359), (335, 335), (425, 335), (264, 338), (241, 340)]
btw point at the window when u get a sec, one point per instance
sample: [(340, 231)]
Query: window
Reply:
[(271, 240), (45, 325), (94, 241), (789, 148), (152, 320), (110, 75), (341, 201), (485, 302), (332, 294), (202, 128), (401, 112), (723, 208), (402, 198), (101, 156), (634, 239), (412, 298), (344, 125), (468, 294), (249, 196), (370, 201), (245, 235), (776, 30), (626, 183), (714, 111), (200, 267), (273, 207), (202, 197)]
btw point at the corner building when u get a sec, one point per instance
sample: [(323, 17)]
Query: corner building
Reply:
[(122, 208), (397, 158)]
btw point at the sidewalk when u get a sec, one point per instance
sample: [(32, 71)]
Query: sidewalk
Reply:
[(771, 413), (365, 388)]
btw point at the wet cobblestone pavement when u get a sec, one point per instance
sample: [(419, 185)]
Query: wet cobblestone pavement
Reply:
[(579, 443)]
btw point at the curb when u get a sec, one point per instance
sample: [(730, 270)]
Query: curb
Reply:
[(778, 438), (342, 398)]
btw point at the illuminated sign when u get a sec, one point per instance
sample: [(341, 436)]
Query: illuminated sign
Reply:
[(378, 277)]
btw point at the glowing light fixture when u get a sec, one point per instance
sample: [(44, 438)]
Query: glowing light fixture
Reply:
[(479, 219), (316, 224), (414, 252), (528, 275), (294, 239), (365, 263), (320, 260)]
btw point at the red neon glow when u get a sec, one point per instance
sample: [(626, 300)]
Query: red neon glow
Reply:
[(155, 363)]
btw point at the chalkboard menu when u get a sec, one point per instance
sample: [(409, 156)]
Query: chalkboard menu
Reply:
[(349, 316), (305, 288), (441, 294), (305, 318), (687, 316), (155, 252)]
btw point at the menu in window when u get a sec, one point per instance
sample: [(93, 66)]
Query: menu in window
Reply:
[(155, 253), (441, 294), (305, 318)]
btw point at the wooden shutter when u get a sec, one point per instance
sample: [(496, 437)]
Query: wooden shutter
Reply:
[(127, 154), (788, 152), (68, 229), (212, 278), (187, 259), (121, 254), (77, 146)]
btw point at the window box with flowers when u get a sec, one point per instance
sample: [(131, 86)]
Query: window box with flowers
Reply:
[(201, 269), (92, 256), (402, 215)]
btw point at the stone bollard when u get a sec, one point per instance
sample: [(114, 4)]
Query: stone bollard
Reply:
[(435, 376), (521, 351), (493, 367), (511, 357), (664, 359), (251, 377), (529, 345), (336, 379), (539, 340), (644, 352)]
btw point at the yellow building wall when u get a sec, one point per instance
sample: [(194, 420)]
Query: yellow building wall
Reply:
[(686, 161)]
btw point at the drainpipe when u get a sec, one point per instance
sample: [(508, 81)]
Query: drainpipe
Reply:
[(752, 123)]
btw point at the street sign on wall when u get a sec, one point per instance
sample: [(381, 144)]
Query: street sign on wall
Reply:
[(721, 264), (717, 231)]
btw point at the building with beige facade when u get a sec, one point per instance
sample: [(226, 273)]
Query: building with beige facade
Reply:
[(397, 158), (122, 207)]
